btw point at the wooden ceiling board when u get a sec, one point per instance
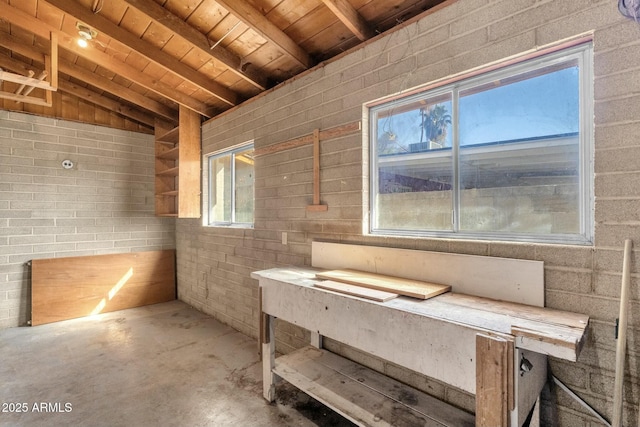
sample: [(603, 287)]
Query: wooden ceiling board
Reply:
[(182, 8), (112, 10), (29, 6), (290, 12), (334, 35), (207, 16), (156, 53), (246, 89), (49, 14), (178, 47), (311, 24), (247, 43), (138, 23)]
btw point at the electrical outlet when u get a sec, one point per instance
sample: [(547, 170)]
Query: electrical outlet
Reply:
[(284, 237)]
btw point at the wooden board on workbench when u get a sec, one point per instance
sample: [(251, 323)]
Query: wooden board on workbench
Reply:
[(358, 291), (407, 287)]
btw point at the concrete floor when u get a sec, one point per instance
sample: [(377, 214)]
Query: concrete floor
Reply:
[(160, 365)]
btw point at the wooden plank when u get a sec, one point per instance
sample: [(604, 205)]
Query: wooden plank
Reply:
[(316, 167), (492, 381), (189, 161), (418, 401), (407, 287), (67, 288), (316, 206), (564, 343), (515, 280), (357, 291), (522, 311), (362, 395), (331, 133)]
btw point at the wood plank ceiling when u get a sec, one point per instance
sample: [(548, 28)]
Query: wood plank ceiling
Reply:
[(147, 57)]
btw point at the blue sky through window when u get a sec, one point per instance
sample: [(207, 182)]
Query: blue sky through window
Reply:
[(543, 105)]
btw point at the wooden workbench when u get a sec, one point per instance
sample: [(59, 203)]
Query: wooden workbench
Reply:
[(473, 343)]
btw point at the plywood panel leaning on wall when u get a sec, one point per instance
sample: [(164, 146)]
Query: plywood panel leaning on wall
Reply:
[(72, 287)]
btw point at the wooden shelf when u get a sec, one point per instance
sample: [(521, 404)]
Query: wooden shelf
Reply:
[(171, 154), (178, 150), (169, 172), (362, 395), (171, 137)]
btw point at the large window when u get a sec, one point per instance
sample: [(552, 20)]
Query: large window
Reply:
[(502, 155), (230, 184)]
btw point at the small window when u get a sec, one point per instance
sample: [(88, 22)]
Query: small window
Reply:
[(502, 155), (231, 187)]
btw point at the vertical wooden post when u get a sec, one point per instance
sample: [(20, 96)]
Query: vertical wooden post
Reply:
[(621, 344), (269, 360), (316, 206), (492, 379)]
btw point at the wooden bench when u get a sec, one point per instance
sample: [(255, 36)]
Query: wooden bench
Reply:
[(494, 349)]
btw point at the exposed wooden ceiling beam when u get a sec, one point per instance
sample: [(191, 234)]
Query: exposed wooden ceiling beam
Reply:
[(108, 103), (350, 17), (260, 24), (146, 49), (36, 53), (21, 19), (84, 93), (163, 17)]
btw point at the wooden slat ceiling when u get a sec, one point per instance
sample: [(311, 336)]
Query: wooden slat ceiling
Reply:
[(150, 56)]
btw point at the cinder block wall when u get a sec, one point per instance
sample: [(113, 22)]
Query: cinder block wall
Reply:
[(214, 263), (105, 204)]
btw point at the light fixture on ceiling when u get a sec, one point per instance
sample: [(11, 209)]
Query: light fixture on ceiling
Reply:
[(85, 34)]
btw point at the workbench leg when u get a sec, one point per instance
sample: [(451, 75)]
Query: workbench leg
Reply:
[(492, 381), (268, 360), (316, 339)]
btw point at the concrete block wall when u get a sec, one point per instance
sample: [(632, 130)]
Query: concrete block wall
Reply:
[(214, 263), (104, 204)]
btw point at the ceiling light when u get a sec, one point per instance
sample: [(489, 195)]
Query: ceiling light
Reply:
[(85, 33)]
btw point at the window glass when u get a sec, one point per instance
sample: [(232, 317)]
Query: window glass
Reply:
[(415, 187), (231, 187), (505, 155)]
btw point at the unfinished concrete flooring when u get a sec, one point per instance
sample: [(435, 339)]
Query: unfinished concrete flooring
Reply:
[(160, 365)]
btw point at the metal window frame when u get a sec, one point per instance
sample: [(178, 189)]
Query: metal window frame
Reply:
[(580, 52), (231, 153)]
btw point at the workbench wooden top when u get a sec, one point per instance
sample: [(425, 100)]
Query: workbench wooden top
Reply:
[(543, 330)]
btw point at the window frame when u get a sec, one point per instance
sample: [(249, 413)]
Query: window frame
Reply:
[(209, 158), (582, 52)]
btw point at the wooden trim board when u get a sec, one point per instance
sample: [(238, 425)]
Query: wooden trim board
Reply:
[(407, 287), (358, 291), (68, 288), (507, 279)]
